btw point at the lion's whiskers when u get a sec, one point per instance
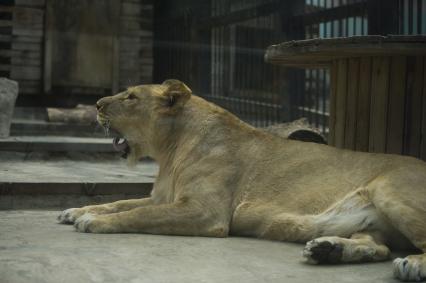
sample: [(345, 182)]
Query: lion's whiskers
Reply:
[(107, 127)]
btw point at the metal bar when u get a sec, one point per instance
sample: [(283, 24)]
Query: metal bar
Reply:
[(334, 13), (410, 16), (324, 97), (242, 15), (419, 16)]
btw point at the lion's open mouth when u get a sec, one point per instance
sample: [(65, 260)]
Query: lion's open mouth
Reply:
[(121, 145)]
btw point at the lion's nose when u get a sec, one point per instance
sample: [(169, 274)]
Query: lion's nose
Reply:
[(101, 103)]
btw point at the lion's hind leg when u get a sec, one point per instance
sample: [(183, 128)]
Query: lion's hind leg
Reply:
[(361, 247), (351, 230), (269, 222), (402, 199)]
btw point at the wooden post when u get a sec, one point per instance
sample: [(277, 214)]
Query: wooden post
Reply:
[(352, 103), (413, 104), (395, 127), (379, 102), (341, 96), (363, 111)]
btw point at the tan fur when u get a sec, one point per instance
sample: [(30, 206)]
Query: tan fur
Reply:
[(220, 176)]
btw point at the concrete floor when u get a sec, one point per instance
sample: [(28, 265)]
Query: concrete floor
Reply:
[(33, 248)]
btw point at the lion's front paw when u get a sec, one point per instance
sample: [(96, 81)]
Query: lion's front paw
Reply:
[(91, 223), (84, 223), (411, 268), (68, 216)]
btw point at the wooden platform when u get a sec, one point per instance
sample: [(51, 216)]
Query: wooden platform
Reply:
[(378, 89), (56, 144), (43, 128), (320, 52)]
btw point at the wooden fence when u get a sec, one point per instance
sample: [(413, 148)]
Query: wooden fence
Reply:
[(65, 52)]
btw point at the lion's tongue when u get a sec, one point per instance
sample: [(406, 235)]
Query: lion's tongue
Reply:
[(119, 144)]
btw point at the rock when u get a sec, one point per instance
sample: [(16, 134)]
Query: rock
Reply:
[(8, 95), (297, 130)]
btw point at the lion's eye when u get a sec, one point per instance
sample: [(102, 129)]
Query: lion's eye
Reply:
[(131, 96)]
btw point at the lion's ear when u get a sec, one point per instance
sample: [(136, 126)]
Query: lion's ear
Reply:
[(176, 93)]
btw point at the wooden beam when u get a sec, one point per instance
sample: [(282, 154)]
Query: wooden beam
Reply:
[(413, 106), (379, 102), (332, 119), (395, 127), (363, 110), (341, 96), (352, 103)]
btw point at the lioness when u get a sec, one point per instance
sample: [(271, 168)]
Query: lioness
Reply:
[(220, 176)]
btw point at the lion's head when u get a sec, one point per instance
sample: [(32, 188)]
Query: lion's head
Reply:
[(141, 115)]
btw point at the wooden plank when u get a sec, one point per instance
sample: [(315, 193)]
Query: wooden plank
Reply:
[(341, 94), (26, 39), (320, 52), (332, 118), (4, 67), (19, 61), (29, 87), (5, 38), (29, 83), (352, 103), (27, 32), (5, 53), (396, 111), (5, 23), (8, 9), (146, 71), (48, 46), (27, 17), (30, 3), (423, 148), (27, 46), (129, 41), (25, 73), (146, 61), (413, 106), (129, 24), (136, 33), (20, 54), (379, 102), (25, 54), (130, 9)]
